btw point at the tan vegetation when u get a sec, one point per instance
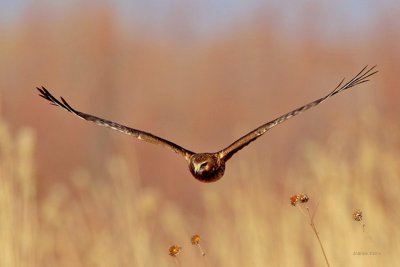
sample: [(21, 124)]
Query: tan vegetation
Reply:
[(119, 222), (73, 194)]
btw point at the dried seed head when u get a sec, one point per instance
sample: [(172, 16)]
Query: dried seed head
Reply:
[(357, 215), (294, 199), (174, 250), (195, 239), (303, 198)]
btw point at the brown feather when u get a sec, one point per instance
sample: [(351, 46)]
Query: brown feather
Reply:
[(141, 135), (207, 167), (228, 152)]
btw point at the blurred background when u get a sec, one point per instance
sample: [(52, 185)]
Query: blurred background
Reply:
[(201, 74)]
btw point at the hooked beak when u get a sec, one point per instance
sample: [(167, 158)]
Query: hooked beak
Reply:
[(197, 168)]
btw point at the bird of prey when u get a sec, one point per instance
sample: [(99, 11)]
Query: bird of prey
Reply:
[(209, 167)]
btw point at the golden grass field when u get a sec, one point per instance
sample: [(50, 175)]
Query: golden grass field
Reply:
[(248, 223), (75, 194)]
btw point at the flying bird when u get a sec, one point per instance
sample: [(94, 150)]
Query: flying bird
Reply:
[(209, 167)]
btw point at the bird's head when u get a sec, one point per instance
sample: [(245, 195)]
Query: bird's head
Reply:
[(206, 167)]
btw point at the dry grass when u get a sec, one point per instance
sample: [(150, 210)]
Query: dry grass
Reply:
[(66, 199), (118, 222)]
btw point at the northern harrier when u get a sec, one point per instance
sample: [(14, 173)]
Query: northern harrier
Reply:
[(208, 167)]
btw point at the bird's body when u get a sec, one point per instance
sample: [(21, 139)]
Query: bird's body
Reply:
[(208, 167)]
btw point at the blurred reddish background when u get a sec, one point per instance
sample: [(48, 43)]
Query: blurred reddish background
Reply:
[(200, 75)]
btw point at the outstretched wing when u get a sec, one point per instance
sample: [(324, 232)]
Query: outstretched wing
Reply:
[(227, 153), (141, 135)]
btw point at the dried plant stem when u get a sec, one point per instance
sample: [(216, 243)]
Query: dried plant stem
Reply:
[(177, 262), (195, 240), (201, 250), (320, 243), (314, 228)]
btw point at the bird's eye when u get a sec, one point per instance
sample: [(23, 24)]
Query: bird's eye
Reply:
[(203, 164)]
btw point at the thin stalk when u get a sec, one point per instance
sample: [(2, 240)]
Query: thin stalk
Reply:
[(177, 262), (320, 243), (314, 228)]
